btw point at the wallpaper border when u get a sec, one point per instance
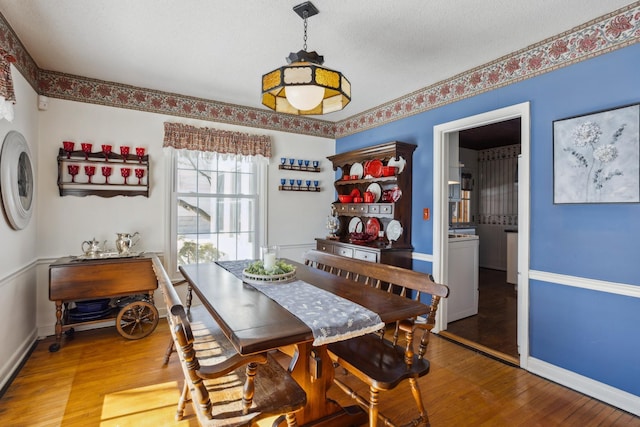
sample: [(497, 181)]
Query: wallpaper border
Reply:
[(613, 31)]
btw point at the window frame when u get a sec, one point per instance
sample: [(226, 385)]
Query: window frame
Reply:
[(171, 226)]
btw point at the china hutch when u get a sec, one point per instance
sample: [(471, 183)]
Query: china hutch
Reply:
[(377, 230)]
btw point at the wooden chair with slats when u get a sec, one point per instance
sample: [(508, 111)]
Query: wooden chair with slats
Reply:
[(226, 389), (381, 363)]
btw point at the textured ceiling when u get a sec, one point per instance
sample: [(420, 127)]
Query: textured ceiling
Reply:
[(219, 50)]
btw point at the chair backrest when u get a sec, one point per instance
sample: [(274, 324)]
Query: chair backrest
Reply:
[(404, 282), (382, 276), (175, 310)]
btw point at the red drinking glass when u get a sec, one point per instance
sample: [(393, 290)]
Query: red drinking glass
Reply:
[(73, 171), (124, 150), (68, 147), (106, 149), (89, 171), (139, 175), (106, 172), (140, 153), (86, 147), (125, 172)]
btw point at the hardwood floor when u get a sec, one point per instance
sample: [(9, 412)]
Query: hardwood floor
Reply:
[(495, 325), (102, 379)]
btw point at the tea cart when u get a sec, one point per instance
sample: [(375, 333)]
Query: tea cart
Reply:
[(127, 283)]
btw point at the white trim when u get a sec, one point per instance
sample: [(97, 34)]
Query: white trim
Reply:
[(12, 276), (613, 396), (441, 136), (19, 355), (584, 283), (422, 257)]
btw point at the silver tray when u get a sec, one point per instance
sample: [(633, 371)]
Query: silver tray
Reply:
[(108, 255)]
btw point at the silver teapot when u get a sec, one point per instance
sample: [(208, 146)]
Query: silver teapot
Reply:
[(92, 248), (126, 241)]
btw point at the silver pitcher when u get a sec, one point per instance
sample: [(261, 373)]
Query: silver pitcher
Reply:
[(126, 241), (92, 248)]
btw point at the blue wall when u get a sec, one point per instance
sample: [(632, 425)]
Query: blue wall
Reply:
[(591, 333)]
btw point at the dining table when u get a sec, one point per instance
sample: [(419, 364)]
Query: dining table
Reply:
[(255, 322)]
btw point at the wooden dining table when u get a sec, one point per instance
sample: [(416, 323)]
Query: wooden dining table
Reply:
[(255, 323)]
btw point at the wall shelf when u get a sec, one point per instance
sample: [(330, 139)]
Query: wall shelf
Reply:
[(80, 184), (310, 189), (299, 168)]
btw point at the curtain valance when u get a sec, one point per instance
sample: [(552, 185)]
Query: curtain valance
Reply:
[(186, 137), (7, 95)]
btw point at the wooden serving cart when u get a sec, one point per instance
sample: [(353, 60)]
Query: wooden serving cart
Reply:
[(129, 283)]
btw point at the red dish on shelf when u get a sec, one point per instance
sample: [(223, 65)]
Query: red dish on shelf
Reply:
[(355, 193), (373, 227), (374, 168)]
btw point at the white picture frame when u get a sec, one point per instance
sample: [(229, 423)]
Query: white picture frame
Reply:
[(16, 180), (596, 157)]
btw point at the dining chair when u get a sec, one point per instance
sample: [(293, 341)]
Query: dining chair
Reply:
[(226, 389), (380, 362), (187, 307)]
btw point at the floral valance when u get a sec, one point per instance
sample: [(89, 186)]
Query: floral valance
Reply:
[(181, 136), (7, 95)]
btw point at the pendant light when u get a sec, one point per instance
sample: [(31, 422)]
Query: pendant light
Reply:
[(304, 86)]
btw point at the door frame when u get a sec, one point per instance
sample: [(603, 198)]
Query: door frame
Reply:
[(441, 136)]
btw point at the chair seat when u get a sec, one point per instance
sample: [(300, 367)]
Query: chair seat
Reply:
[(376, 361), (275, 393)]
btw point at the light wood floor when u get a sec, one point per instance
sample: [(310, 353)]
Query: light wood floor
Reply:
[(101, 379)]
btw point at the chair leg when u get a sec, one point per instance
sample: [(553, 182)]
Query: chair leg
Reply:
[(249, 387), (184, 397), (291, 420), (290, 417), (167, 354), (373, 407), (417, 396)]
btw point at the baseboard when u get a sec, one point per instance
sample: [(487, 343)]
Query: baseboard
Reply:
[(613, 396), (11, 368)]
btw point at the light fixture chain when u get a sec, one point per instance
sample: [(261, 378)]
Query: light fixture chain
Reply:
[(305, 15)]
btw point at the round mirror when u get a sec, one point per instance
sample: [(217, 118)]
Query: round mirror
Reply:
[(16, 180)]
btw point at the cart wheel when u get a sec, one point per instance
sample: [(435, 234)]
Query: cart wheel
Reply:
[(54, 347), (69, 332), (137, 320)]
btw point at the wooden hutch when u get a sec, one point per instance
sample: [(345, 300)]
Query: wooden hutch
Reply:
[(380, 250)]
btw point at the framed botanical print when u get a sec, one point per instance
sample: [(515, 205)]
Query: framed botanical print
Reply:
[(16, 180), (596, 157)]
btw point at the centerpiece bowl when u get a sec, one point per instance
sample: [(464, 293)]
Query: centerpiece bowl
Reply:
[(281, 273)]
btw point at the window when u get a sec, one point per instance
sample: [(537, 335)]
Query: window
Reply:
[(216, 206), (217, 183)]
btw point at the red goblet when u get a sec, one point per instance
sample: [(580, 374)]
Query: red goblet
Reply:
[(106, 149), (140, 153), (86, 147), (73, 171), (125, 172), (106, 172), (89, 171), (68, 147), (124, 150), (139, 175)]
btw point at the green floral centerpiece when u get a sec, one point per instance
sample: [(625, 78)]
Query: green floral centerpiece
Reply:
[(280, 273)]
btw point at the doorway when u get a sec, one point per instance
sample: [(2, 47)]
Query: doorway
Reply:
[(444, 135)]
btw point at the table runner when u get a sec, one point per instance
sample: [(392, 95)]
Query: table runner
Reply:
[(331, 318)]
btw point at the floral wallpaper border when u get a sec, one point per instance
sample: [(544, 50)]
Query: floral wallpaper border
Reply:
[(599, 36)]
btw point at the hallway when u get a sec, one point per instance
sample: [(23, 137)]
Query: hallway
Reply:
[(495, 325)]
